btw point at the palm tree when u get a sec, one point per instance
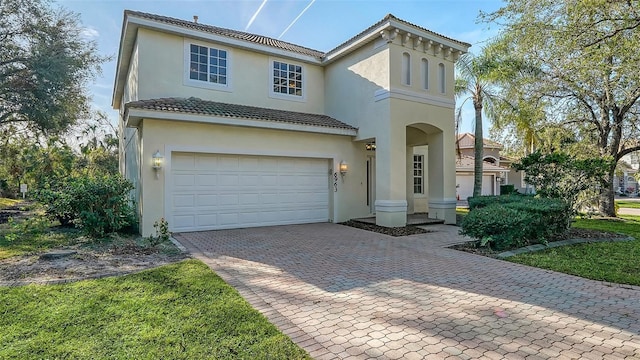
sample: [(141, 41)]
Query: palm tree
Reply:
[(474, 82)]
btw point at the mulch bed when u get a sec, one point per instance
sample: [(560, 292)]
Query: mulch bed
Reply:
[(573, 233), (391, 231)]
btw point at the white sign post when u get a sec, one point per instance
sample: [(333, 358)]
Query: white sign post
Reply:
[(23, 189)]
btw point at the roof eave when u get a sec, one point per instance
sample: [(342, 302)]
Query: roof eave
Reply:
[(133, 117), (391, 23), (124, 57)]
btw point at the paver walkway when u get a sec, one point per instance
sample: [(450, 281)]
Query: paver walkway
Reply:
[(345, 293)]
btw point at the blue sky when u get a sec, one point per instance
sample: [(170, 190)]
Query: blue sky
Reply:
[(322, 26)]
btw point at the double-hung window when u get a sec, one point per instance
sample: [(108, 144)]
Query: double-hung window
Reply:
[(208, 64), (287, 79), (418, 174)]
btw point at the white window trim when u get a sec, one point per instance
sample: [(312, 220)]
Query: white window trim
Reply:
[(206, 84), (281, 96), (421, 176)]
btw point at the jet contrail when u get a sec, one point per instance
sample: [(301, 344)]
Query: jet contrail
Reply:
[(255, 15), (296, 19)]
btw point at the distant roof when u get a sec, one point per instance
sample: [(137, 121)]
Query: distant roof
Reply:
[(211, 108), (466, 163), (240, 35), (466, 140)]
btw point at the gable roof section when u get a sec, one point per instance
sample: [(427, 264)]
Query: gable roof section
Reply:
[(467, 140), (239, 35), (391, 21), (196, 106)]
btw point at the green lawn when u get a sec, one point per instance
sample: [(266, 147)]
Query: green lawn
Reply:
[(616, 262), (179, 311), (628, 204)]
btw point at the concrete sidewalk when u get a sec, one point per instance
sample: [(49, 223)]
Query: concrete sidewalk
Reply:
[(345, 293)]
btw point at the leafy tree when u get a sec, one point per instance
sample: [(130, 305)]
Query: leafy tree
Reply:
[(559, 175), (586, 80), (45, 64), (474, 81)]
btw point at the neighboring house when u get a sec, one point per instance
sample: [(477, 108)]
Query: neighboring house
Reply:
[(225, 129), (494, 173), (625, 181)]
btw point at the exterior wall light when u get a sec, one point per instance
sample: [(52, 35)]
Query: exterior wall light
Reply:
[(158, 159), (370, 146), (344, 167)]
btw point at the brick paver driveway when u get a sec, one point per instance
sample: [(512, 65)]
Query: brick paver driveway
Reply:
[(344, 293)]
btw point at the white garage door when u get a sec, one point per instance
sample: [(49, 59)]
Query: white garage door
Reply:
[(465, 188), (214, 191)]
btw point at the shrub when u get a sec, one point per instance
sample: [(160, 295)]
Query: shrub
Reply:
[(508, 189), (497, 226), (503, 222), (98, 205), (482, 201)]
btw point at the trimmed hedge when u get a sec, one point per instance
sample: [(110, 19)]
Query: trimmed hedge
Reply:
[(508, 189), (482, 201), (504, 222)]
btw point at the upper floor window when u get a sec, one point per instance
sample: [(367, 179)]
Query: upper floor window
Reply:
[(418, 174), (406, 69), (441, 76), (287, 78), (425, 74), (208, 64)]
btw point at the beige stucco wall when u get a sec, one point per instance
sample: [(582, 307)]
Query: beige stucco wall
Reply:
[(417, 83), (250, 74), (348, 202), (350, 86)]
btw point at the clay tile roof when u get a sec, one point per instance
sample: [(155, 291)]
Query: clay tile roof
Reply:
[(211, 108), (240, 35)]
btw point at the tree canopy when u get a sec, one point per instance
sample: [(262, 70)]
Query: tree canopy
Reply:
[(574, 64), (45, 65)]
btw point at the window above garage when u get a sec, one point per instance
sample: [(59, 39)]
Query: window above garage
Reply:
[(207, 66), (287, 80)]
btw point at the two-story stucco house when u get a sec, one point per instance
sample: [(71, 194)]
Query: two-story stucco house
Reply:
[(226, 129)]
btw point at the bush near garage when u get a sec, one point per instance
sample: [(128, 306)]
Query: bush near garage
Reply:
[(98, 205), (506, 222)]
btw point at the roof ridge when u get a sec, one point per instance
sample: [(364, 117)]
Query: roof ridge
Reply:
[(221, 31)]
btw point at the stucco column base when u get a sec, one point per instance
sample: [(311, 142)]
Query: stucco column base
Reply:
[(391, 213), (444, 209)]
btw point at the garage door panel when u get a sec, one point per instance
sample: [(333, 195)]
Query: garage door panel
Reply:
[(206, 162), (226, 163), (207, 180), (207, 200), (183, 162), (183, 200), (228, 219), (183, 180), (227, 191), (249, 199), (250, 180), (184, 221)]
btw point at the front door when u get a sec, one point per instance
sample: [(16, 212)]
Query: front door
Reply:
[(371, 183)]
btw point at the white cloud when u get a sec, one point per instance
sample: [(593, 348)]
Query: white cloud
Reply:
[(89, 33)]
